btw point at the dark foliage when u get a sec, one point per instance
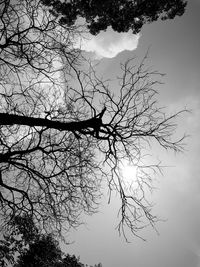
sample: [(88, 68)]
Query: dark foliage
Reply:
[(43, 252), (23, 246), (20, 232), (121, 15)]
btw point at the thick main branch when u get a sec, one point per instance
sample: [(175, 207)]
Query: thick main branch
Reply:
[(12, 119)]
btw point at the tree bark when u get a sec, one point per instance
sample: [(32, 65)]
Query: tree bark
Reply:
[(11, 119)]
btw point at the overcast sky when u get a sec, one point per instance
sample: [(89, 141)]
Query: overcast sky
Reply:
[(174, 50)]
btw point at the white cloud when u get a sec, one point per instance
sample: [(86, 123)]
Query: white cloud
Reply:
[(109, 43)]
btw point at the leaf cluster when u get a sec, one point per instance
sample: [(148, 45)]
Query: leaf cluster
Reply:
[(24, 246), (121, 15)]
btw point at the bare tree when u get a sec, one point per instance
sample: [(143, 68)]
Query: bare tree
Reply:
[(31, 63), (64, 130)]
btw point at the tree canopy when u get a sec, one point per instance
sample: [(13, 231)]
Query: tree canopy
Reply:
[(22, 245), (121, 15), (64, 130)]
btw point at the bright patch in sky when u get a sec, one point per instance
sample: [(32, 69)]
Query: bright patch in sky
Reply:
[(109, 43), (129, 172)]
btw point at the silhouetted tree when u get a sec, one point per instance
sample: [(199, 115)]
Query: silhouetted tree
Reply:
[(63, 129), (43, 252), (19, 233), (25, 246), (121, 15)]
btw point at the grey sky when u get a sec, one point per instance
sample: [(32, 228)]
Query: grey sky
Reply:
[(175, 51)]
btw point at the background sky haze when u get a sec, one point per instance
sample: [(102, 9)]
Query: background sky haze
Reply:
[(174, 50)]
